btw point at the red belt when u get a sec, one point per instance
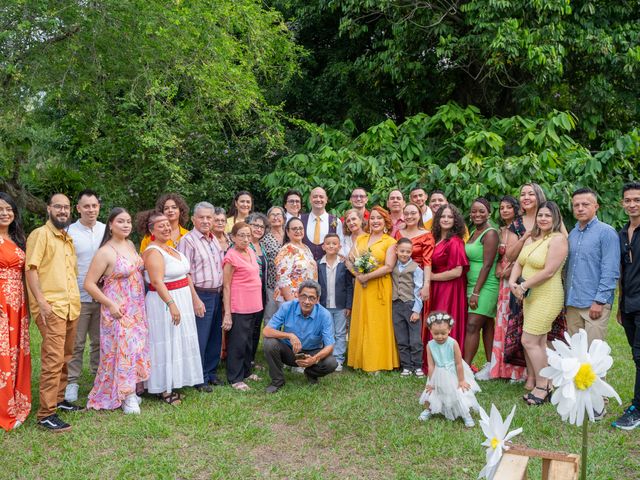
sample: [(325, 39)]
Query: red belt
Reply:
[(173, 285)]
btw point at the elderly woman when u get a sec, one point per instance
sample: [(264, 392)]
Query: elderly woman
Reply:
[(242, 305), (174, 207), (536, 278), (294, 263), (258, 224), (241, 207), (218, 228), (171, 304), (352, 227), (272, 243)]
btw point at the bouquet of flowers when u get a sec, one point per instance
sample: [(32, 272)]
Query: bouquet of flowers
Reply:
[(365, 262)]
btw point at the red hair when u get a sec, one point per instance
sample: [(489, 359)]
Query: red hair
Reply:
[(385, 215)]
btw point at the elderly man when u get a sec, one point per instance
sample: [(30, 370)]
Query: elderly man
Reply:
[(318, 223), (87, 235), (593, 268), (419, 197), (300, 334), (54, 300), (395, 204), (205, 255)]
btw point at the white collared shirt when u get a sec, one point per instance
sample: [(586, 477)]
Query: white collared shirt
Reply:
[(324, 227), (86, 242), (331, 282)]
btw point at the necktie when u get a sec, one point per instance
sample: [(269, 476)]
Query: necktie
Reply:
[(316, 232)]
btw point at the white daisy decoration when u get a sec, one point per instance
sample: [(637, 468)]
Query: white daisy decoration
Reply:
[(577, 371), (496, 432)]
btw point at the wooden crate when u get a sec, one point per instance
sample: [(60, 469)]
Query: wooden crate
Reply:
[(555, 465)]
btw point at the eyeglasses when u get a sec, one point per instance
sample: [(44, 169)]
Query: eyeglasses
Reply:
[(276, 215), (296, 229), (307, 298), (57, 206), (293, 201), (358, 196), (257, 225), (219, 220), (242, 235)]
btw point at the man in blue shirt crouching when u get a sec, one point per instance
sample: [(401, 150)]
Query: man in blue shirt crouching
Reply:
[(300, 334)]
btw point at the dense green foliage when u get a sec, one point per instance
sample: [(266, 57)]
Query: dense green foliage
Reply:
[(464, 154)]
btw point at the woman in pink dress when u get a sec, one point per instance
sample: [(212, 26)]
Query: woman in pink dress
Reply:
[(15, 356), (124, 349), (449, 265)]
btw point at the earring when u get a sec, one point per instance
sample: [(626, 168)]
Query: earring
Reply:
[(153, 237), (384, 230)]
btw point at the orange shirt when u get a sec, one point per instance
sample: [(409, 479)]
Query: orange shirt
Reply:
[(50, 251), (144, 243)]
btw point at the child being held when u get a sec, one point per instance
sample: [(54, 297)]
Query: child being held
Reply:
[(407, 279), (451, 387)]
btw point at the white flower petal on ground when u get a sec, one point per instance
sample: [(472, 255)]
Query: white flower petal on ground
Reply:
[(577, 370), (496, 432)]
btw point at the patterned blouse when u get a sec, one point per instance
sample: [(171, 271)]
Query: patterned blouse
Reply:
[(293, 266), (271, 246)]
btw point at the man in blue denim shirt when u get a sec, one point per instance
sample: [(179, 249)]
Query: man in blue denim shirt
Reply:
[(300, 334), (592, 270)]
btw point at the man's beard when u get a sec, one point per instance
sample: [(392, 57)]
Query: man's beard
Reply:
[(60, 224)]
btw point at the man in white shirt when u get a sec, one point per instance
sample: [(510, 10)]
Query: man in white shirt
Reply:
[(419, 197), (87, 235), (318, 223)]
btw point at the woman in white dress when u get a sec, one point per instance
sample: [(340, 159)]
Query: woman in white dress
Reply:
[(171, 305)]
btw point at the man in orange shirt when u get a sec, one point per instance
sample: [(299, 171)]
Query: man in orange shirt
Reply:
[(54, 300)]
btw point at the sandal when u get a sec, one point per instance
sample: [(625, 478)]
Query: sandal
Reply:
[(173, 398), (253, 377), (531, 399), (243, 387)]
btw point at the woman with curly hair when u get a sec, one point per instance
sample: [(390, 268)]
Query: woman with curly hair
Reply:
[(449, 266), (372, 344), (174, 207)]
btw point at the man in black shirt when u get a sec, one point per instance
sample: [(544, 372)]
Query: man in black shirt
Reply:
[(629, 309)]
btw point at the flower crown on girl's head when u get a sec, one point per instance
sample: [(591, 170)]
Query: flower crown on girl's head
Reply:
[(440, 317)]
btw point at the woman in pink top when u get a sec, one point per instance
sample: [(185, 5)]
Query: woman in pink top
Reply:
[(242, 305)]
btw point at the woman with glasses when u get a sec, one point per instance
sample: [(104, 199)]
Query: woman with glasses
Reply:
[(292, 204), (258, 224), (294, 263), (174, 207), (242, 305), (272, 243)]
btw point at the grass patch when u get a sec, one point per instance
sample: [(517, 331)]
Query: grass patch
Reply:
[(352, 425)]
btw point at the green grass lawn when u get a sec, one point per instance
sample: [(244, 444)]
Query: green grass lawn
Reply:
[(351, 425)]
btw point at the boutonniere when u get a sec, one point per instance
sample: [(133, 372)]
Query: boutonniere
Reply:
[(334, 224)]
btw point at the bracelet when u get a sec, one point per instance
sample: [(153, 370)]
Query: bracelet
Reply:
[(523, 288), (475, 295), (169, 302)]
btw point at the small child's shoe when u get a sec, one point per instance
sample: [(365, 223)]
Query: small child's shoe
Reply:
[(468, 422), (419, 373), (425, 415), (405, 372)]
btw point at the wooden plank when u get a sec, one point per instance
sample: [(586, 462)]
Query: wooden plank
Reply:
[(561, 470), (512, 467)]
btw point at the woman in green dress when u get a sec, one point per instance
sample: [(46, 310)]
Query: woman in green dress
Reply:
[(482, 284)]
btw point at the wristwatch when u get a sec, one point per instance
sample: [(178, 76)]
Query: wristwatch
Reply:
[(599, 303)]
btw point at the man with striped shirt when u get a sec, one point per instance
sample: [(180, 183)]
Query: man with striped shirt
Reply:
[(205, 255)]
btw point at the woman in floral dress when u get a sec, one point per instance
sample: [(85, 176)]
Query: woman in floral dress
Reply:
[(15, 356), (294, 263), (124, 349)]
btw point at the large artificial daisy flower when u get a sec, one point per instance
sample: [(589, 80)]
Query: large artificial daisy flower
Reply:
[(577, 371), (496, 432)]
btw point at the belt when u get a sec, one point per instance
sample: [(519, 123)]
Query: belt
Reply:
[(184, 282), (208, 290)]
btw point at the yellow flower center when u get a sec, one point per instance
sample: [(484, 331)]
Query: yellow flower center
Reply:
[(494, 443), (585, 377)]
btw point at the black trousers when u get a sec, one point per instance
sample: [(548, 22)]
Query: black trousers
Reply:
[(239, 346), (631, 324), (277, 353), (408, 335)]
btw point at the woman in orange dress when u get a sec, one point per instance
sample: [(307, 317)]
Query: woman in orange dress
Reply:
[(15, 356)]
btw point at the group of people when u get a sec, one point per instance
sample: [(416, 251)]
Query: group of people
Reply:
[(408, 287)]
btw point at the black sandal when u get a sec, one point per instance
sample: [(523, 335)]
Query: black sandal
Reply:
[(174, 398), (531, 399)]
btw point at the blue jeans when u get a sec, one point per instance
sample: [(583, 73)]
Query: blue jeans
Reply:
[(340, 332), (210, 333)]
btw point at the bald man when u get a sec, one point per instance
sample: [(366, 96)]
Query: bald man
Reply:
[(318, 223)]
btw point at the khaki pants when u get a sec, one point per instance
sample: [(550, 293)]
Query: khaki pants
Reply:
[(58, 337), (578, 318), (88, 323)]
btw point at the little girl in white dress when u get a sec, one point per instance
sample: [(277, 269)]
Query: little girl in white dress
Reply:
[(451, 387)]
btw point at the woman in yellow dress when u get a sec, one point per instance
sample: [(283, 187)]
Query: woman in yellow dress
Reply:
[(372, 344), (537, 278)]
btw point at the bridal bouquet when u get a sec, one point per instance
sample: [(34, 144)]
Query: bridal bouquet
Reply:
[(365, 262)]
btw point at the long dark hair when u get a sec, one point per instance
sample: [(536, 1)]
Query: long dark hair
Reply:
[(286, 229), (233, 210), (458, 223), (16, 232), (180, 203), (515, 205), (556, 216), (112, 215)]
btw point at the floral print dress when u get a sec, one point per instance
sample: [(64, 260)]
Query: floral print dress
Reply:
[(294, 265)]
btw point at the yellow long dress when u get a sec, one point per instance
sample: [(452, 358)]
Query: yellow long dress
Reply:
[(372, 344), (545, 301)]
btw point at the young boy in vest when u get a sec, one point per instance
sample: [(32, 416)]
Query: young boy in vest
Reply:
[(407, 278), (336, 283)]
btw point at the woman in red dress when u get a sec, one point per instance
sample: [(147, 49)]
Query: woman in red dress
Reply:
[(449, 265), (15, 357)]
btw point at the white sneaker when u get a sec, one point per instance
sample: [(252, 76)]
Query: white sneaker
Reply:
[(425, 415), (339, 367), (130, 405), (138, 399), (71, 392), (405, 372), (484, 373), (419, 373), (297, 369), (468, 422)]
